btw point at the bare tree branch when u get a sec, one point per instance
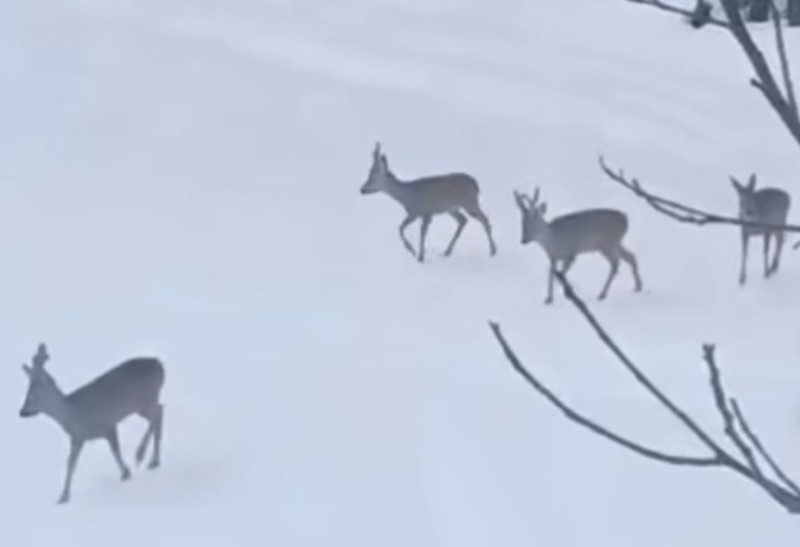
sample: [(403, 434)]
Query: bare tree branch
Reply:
[(784, 107), (586, 422), (765, 81), (786, 496), (756, 442), (784, 59), (640, 377), (724, 410)]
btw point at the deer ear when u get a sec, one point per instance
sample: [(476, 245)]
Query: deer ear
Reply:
[(27, 370), (752, 182), (384, 161), (543, 207), (736, 184)]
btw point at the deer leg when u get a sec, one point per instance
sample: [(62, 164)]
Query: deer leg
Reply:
[(403, 225), (475, 212), (550, 279), (779, 239), (113, 442), (72, 461), (461, 219), (568, 262), (742, 270), (142, 448), (158, 426), (613, 261), (423, 233), (766, 254), (630, 259), (155, 418)]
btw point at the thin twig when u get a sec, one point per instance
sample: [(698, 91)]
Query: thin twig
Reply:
[(581, 420), (747, 430), (682, 416), (722, 407), (784, 59)]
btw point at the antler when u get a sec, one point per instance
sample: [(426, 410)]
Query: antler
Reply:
[(521, 199), (535, 198), (527, 202), (41, 356)]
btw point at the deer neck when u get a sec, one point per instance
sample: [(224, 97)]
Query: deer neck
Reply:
[(545, 237), (59, 409), (396, 188)]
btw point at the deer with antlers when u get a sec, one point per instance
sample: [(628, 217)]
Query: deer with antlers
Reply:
[(456, 194), (567, 236), (94, 410)]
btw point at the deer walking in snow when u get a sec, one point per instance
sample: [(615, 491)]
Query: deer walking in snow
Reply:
[(567, 236), (422, 198), (94, 410), (766, 206)]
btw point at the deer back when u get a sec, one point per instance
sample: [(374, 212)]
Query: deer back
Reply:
[(130, 387), (440, 193), (587, 230), (772, 205)]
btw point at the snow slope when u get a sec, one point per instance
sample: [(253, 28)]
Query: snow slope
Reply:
[(181, 179)]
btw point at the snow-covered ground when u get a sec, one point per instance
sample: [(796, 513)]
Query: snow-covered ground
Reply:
[(180, 178)]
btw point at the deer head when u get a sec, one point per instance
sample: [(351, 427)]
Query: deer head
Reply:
[(41, 385)]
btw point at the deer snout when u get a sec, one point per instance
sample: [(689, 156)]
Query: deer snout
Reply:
[(25, 413)]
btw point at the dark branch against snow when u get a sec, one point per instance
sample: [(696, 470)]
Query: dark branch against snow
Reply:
[(759, 446), (582, 420), (784, 106), (784, 59), (787, 495)]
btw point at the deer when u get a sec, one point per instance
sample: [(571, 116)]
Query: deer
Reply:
[(572, 234), (94, 410), (765, 206), (456, 194)]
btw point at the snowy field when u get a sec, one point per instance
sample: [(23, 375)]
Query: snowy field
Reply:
[(181, 178)]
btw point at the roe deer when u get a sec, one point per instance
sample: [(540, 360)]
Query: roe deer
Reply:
[(767, 206), (94, 410), (452, 193), (567, 236)]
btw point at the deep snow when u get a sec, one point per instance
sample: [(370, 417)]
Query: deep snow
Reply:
[(181, 179)]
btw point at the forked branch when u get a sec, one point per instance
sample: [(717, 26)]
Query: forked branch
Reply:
[(783, 102), (781, 489), (588, 423)]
